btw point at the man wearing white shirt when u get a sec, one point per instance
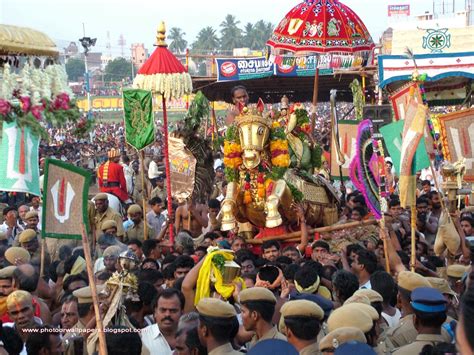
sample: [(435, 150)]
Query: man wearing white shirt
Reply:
[(153, 171), (364, 265), (159, 338)]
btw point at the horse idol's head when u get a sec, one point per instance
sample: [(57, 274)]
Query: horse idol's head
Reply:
[(254, 131)]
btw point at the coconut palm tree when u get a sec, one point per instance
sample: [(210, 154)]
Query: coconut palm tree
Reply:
[(231, 34), (206, 40), (249, 39), (178, 43), (263, 31)]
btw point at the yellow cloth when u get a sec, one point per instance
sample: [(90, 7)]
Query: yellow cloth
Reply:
[(3, 305), (203, 286)]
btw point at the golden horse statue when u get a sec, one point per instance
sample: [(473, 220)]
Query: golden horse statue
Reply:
[(261, 185)]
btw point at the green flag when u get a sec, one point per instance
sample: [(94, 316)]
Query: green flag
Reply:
[(138, 116), (65, 200), (392, 135), (19, 168)]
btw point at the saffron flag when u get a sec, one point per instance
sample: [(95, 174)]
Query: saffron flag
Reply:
[(19, 168), (65, 196), (413, 131), (393, 137), (138, 117)]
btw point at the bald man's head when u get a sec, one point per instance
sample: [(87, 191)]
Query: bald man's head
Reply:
[(25, 278)]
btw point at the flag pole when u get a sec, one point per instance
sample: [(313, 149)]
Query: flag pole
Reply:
[(378, 149), (142, 168), (95, 300), (167, 167), (413, 239), (43, 247)]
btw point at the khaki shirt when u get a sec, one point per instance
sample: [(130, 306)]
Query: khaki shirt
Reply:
[(420, 341), (224, 349), (68, 338), (161, 193), (271, 334), (310, 349), (216, 190), (405, 333), (109, 215), (136, 232)]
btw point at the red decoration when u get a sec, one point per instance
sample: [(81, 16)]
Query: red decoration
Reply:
[(321, 26), (162, 61)]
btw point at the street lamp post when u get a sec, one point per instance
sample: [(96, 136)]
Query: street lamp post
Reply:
[(87, 43)]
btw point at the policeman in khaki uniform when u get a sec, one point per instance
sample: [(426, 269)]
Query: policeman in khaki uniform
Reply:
[(429, 306), (329, 344), (29, 240), (296, 313), (258, 306), (137, 230), (86, 313), (218, 325), (105, 213), (405, 333)]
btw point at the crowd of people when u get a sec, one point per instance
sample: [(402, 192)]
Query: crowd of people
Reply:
[(311, 297)]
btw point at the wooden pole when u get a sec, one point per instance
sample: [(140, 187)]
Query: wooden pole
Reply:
[(413, 239), (315, 96), (167, 168), (95, 301), (297, 234), (144, 197), (43, 249)]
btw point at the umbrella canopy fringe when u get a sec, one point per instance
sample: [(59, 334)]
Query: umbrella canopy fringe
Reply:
[(169, 85)]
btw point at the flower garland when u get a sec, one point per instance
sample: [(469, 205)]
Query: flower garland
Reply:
[(279, 148), (232, 154), (169, 85), (37, 98)]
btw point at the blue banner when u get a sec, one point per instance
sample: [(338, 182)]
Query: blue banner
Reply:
[(296, 66), (231, 69)]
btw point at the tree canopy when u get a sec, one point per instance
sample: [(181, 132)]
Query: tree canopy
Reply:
[(231, 35), (118, 69), (75, 68), (178, 44)]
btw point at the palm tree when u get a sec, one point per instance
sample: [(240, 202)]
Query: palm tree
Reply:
[(206, 40), (178, 43), (231, 34), (249, 39), (263, 31)]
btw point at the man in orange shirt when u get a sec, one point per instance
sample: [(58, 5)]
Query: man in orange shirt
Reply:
[(111, 177)]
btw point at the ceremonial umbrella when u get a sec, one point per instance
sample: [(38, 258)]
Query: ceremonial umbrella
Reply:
[(164, 74), (318, 27)]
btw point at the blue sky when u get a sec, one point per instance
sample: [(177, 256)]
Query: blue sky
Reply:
[(137, 20)]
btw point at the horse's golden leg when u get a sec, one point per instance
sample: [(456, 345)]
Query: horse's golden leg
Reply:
[(271, 206), (228, 207)]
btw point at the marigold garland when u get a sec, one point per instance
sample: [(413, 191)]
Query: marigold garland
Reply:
[(232, 154), (279, 153)]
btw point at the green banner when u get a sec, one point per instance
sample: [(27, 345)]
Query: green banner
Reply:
[(65, 199), (392, 135), (138, 116), (19, 168)]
